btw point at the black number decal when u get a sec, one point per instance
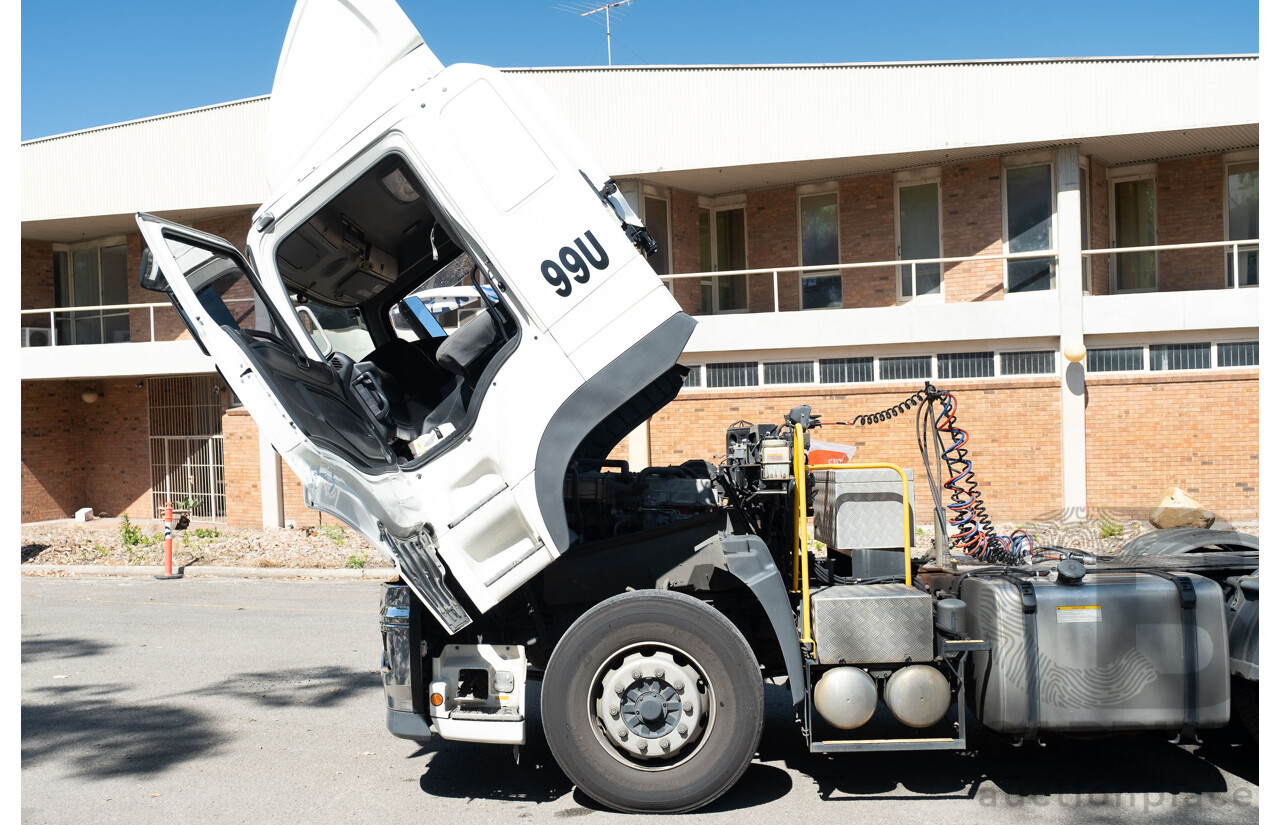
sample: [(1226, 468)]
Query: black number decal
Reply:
[(575, 263), (598, 263), (556, 277)]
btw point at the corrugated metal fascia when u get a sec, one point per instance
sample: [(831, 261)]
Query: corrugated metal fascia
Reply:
[(248, 101), (883, 64)]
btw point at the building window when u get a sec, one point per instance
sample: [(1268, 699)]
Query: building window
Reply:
[(91, 276), (1238, 353), (906, 368), (1242, 221), (1134, 215), (819, 246), (722, 246), (919, 225), (788, 372), (1180, 357), (846, 370), (1028, 202), (694, 378), (656, 221), (1039, 362), (737, 374), (966, 365), (1114, 359)]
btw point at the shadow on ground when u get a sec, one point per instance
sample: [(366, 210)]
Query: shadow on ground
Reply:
[(318, 686), (88, 728), (1105, 778), (36, 648)]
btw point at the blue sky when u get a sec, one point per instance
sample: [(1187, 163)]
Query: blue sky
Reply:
[(90, 63)]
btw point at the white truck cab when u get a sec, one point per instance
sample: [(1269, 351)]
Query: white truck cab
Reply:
[(393, 179)]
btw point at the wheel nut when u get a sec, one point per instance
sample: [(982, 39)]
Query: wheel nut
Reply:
[(622, 734), (644, 746), (613, 711), (678, 685), (618, 688), (666, 745), (660, 673), (688, 707), (683, 730), (635, 674)]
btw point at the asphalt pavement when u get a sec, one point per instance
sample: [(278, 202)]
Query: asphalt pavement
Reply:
[(259, 701)]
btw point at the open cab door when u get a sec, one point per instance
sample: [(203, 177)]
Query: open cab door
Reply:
[(310, 408)]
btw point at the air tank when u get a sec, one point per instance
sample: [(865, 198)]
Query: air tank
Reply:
[(845, 697)]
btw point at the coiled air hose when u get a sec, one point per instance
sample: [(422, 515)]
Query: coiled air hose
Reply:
[(976, 537)]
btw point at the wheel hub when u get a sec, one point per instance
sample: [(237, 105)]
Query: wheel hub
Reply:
[(650, 707)]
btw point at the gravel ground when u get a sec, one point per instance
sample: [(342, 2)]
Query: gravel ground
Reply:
[(101, 541)]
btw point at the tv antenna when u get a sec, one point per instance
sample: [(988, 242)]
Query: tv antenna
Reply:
[(584, 10)]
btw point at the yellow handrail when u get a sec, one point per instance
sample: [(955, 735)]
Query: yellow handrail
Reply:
[(800, 570)]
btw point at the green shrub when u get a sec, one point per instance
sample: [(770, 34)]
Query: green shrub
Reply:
[(1110, 529), (356, 562), (130, 533), (335, 534), (205, 533)]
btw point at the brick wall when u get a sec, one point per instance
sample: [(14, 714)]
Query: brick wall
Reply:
[(1198, 432), (686, 255), (1099, 228), (972, 225), (1017, 464), (867, 234), (772, 240), (1189, 203), (37, 278), (241, 469), (84, 455)]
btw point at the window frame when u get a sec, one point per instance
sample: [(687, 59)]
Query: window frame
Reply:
[(809, 191), (1230, 159), (65, 288), (918, 177), (646, 193), (1027, 161), (714, 206), (1125, 174)]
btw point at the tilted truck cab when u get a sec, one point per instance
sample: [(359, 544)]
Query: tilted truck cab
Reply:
[(445, 323)]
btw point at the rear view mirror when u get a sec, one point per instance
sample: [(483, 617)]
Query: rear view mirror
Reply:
[(150, 276)]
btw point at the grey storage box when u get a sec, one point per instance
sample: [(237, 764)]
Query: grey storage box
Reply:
[(861, 509), (1108, 654), (868, 624)]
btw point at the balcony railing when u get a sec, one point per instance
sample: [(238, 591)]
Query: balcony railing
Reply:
[(99, 324), (1244, 252)]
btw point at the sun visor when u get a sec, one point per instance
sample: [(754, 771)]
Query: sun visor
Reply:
[(344, 63)]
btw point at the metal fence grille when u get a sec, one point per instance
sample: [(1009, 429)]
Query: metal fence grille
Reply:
[(694, 378), (185, 415), (1238, 354), (906, 368), (735, 374), (789, 372), (846, 370), (1180, 357), (1115, 359), (1039, 362), (966, 365)]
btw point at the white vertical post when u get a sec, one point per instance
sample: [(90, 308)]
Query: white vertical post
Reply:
[(153, 323), (271, 483), (776, 306), (53, 330), (1071, 330), (1235, 266), (638, 456)]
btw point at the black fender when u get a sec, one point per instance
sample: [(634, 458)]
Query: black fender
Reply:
[(747, 559), (1174, 541)]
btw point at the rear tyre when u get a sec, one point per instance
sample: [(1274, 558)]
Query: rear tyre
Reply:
[(653, 702)]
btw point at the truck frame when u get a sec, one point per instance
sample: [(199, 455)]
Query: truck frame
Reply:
[(444, 322)]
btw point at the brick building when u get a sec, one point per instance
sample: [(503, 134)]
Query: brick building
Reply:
[(843, 233)]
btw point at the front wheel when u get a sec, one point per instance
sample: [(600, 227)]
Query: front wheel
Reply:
[(653, 702)]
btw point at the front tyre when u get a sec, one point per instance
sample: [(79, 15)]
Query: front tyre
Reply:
[(653, 702)]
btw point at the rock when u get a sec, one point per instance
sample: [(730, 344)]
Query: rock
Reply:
[(1178, 509), (84, 514), (183, 522)]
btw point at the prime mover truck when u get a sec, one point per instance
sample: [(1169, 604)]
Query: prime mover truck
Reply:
[(444, 322)]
